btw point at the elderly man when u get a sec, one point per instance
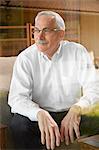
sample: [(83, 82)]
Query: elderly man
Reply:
[(45, 93)]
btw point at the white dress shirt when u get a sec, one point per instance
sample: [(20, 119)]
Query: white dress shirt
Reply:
[(54, 85)]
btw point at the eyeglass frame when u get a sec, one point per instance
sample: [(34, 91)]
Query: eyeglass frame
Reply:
[(45, 30)]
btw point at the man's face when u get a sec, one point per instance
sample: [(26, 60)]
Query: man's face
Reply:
[(47, 40)]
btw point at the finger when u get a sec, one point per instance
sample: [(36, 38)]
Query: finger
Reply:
[(41, 127), (47, 136), (66, 136), (76, 126), (57, 135), (77, 131), (71, 134), (56, 132), (62, 133), (42, 137), (52, 137)]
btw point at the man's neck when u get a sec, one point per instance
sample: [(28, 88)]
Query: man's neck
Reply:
[(50, 54)]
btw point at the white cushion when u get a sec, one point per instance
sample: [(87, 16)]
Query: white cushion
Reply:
[(6, 68)]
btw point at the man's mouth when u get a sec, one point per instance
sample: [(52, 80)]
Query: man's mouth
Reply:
[(41, 42)]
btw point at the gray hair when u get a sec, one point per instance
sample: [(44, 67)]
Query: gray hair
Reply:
[(59, 20)]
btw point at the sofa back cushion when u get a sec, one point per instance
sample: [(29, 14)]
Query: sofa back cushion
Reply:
[(6, 68)]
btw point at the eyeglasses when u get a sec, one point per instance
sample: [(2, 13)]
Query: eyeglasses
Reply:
[(44, 30)]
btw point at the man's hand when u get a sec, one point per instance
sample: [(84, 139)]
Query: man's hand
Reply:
[(70, 124), (49, 130)]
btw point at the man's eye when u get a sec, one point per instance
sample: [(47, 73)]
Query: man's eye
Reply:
[(36, 30), (46, 30)]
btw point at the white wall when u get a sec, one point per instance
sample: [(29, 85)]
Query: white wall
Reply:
[(89, 32)]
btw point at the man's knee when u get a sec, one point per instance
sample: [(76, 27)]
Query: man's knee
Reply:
[(19, 123)]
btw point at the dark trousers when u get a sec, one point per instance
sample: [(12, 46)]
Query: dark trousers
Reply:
[(26, 133)]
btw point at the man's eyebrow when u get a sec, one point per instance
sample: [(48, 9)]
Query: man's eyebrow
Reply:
[(43, 28)]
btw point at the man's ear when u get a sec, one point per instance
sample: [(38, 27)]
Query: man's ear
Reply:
[(62, 34)]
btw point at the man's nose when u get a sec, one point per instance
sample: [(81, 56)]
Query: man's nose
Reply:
[(41, 33)]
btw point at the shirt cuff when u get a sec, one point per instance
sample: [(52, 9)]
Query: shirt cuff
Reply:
[(33, 114), (84, 107)]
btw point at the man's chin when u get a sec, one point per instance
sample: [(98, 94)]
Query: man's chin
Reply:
[(41, 48)]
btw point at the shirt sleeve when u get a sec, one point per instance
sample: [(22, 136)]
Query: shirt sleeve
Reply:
[(88, 78), (20, 97)]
